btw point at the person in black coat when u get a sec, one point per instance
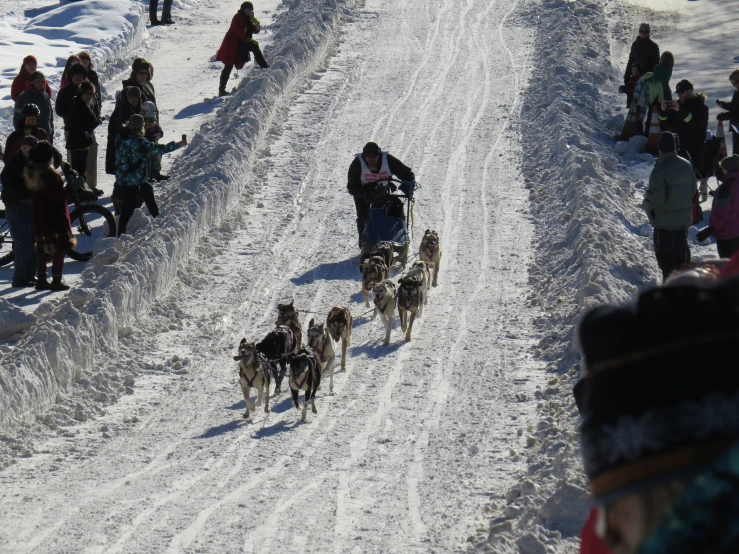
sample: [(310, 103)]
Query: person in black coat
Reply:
[(130, 104), (643, 51), (94, 78), (81, 126), (732, 116), (687, 117), (365, 172), (141, 72), (36, 95), (64, 99)]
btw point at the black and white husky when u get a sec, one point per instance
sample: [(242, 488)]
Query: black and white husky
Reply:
[(320, 341), (253, 374), (305, 375)]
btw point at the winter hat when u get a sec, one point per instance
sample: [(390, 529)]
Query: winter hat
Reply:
[(149, 110), (734, 75), (246, 6), (644, 27), (41, 153), (140, 64), (85, 86), (30, 59), (667, 142), (76, 69), (35, 75), (371, 149), (660, 397), (135, 123), (683, 85), (730, 163), (30, 140)]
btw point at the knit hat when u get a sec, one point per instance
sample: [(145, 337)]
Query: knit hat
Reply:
[(41, 153), (30, 59), (644, 27), (85, 86), (76, 69), (683, 86), (135, 123), (730, 163), (667, 142), (371, 149), (35, 75), (660, 398), (149, 110), (30, 140)]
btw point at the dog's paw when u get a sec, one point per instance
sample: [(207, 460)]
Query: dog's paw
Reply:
[(407, 338), (246, 415), (314, 410), (331, 392), (266, 409)]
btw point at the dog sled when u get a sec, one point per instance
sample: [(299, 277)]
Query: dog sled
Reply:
[(389, 217)]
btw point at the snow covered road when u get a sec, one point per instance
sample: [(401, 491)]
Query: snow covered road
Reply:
[(418, 436)]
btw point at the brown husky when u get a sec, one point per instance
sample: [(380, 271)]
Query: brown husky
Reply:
[(288, 315), (373, 270), (339, 323), (320, 341), (430, 252), (253, 373)]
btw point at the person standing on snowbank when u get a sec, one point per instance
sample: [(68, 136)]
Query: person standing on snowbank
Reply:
[(659, 406), (53, 230), (723, 224), (132, 156), (366, 170), (238, 44), (668, 202), (644, 52), (732, 116)]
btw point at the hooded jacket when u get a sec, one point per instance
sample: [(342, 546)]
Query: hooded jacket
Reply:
[(132, 155), (81, 123), (20, 83), (690, 124), (724, 218), (668, 200), (241, 30), (13, 144), (121, 114), (49, 200)]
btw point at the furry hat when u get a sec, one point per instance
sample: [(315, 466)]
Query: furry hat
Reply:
[(660, 397), (135, 123), (42, 153)]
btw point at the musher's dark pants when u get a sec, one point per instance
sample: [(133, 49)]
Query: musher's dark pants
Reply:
[(363, 210), (671, 248)]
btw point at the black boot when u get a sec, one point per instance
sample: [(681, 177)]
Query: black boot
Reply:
[(42, 283), (222, 92), (57, 284)]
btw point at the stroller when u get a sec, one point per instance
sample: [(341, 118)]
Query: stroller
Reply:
[(390, 211)]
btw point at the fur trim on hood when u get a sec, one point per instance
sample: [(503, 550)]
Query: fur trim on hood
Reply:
[(39, 177)]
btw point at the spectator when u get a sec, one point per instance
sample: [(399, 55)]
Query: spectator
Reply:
[(723, 224), (77, 73), (668, 202), (29, 127), (66, 80), (94, 78), (141, 74), (154, 134), (628, 89), (687, 117), (129, 105), (238, 44), (659, 406), (732, 115), (36, 95), (17, 199), (20, 83), (166, 13), (644, 52), (133, 153), (51, 223), (82, 125), (654, 88)]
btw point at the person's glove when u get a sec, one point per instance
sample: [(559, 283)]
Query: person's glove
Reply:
[(723, 116), (704, 234), (407, 188)]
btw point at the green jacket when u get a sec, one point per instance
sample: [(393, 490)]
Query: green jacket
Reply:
[(132, 155), (669, 197)]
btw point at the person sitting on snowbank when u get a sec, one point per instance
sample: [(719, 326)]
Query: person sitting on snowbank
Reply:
[(659, 408)]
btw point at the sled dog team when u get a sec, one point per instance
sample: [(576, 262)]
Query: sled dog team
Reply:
[(267, 360)]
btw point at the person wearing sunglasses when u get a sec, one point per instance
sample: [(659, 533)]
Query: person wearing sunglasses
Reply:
[(644, 51), (659, 415), (141, 75)]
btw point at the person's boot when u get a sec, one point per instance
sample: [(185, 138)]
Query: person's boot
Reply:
[(57, 284), (42, 283), (222, 91)]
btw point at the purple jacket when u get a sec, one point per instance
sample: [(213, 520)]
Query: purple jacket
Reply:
[(725, 208)]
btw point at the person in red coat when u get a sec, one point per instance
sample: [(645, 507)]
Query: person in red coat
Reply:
[(20, 83), (51, 223), (238, 44)]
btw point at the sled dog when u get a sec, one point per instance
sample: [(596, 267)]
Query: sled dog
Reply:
[(421, 271), (430, 252), (409, 301), (373, 270), (320, 341), (304, 375), (385, 299), (339, 323), (384, 249), (275, 347), (288, 315), (253, 373)]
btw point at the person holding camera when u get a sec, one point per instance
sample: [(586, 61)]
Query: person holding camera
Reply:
[(239, 44), (732, 115), (687, 117)]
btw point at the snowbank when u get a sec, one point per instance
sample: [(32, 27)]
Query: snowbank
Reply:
[(591, 249), (70, 340)]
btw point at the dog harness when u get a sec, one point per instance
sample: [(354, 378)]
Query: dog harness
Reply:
[(322, 352), (369, 177)]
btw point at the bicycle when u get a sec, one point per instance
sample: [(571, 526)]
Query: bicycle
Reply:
[(90, 221)]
